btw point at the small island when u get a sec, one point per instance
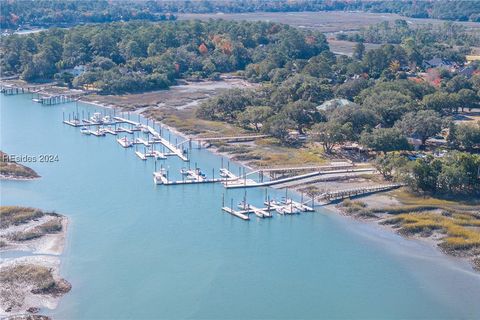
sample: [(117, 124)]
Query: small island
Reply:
[(29, 283), (11, 170)]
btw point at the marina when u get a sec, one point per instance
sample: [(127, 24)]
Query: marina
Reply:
[(112, 125), (166, 245), (150, 137)]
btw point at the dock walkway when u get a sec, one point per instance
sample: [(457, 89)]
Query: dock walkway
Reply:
[(332, 196), (249, 183)]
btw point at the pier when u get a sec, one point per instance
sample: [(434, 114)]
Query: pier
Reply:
[(333, 196), (57, 99), (157, 137), (240, 214), (190, 176), (290, 207), (112, 126), (243, 182), (10, 89), (206, 141)]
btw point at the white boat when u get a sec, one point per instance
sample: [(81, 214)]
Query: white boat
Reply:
[(85, 130), (97, 117), (37, 100), (124, 142), (160, 177), (159, 155), (99, 132), (107, 119)]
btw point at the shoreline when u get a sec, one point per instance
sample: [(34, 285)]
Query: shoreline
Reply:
[(30, 267), (15, 178), (432, 241)]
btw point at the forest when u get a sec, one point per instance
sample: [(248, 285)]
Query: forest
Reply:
[(140, 56), (15, 13)]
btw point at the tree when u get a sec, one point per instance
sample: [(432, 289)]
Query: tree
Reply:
[(279, 127), (459, 174), (359, 118), (452, 134), (255, 116), (468, 136), (441, 102), (359, 50), (425, 174), (389, 105), (421, 125), (467, 99), (350, 89), (303, 113), (225, 106), (391, 165), (301, 87), (330, 134), (385, 140)]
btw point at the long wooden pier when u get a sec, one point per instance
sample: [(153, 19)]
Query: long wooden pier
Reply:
[(243, 182), (57, 99), (10, 89), (303, 168), (337, 195)]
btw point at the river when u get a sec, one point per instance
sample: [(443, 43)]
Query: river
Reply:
[(137, 250)]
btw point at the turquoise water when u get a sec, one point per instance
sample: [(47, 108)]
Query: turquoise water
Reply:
[(136, 250)]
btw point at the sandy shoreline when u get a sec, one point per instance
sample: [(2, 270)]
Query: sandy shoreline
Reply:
[(20, 295), (433, 240), (15, 178)]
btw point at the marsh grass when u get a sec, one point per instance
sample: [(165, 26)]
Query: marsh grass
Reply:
[(357, 208), (39, 276), (408, 198), (13, 169), (12, 215), (455, 227), (52, 226)]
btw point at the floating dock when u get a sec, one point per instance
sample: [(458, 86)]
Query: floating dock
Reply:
[(261, 213), (194, 177), (240, 214), (289, 207), (124, 142), (157, 137), (281, 208), (300, 206), (141, 155)]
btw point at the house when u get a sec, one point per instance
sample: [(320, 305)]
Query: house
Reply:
[(467, 71), (76, 71), (335, 103), (472, 58), (437, 63)]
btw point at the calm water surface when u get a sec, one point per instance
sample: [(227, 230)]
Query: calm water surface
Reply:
[(136, 250)]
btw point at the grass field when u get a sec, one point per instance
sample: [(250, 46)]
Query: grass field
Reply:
[(327, 22)]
